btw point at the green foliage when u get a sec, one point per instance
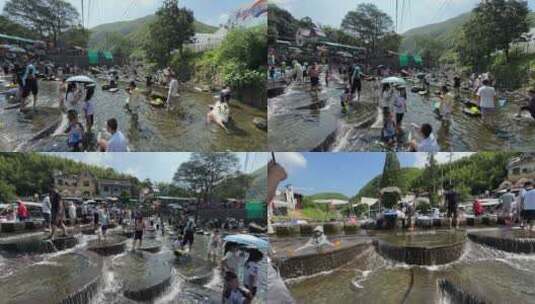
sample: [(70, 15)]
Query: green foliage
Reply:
[(328, 195), (76, 36), (470, 176), (204, 171), (369, 23), (493, 26), (281, 25), (391, 171), (239, 62), (233, 187), (317, 214), (172, 29), (25, 174), (182, 64), (361, 209), (15, 29), (423, 207), (390, 199), (48, 18), (7, 192)]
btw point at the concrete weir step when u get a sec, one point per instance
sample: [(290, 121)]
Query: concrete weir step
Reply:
[(515, 241), (72, 278), (36, 244), (144, 276), (108, 246)]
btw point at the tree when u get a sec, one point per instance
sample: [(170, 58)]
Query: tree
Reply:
[(281, 25), (368, 23), (494, 25), (48, 18), (390, 41), (391, 171), (430, 178), (430, 48), (77, 36), (204, 171), (172, 28), (16, 29)]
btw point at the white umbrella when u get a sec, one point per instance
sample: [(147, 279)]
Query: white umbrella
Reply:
[(394, 80), (16, 49), (80, 79)]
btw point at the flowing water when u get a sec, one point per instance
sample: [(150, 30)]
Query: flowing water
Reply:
[(152, 129), (491, 275), (295, 127)]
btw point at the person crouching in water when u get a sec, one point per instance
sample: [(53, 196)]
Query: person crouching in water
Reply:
[(220, 112), (74, 131), (317, 241), (345, 99)]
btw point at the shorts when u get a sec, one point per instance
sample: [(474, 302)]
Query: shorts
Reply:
[(487, 111), (95, 219), (356, 86), (452, 212), (104, 228), (90, 119), (138, 235), (188, 239), (314, 81), (31, 86), (399, 118), (528, 214), (46, 216)]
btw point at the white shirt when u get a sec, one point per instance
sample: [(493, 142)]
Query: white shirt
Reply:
[(487, 95), (529, 200), (45, 205), (428, 145), (89, 107), (233, 261), (72, 102), (117, 143), (173, 89)]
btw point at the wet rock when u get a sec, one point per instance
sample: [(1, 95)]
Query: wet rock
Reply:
[(151, 246), (109, 246), (260, 123), (516, 241), (72, 278), (36, 244), (422, 249), (144, 276)]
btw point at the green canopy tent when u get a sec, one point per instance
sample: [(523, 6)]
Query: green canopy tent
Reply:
[(404, 60), (108, 55), (255, 210), (418, 60), (93, 57)]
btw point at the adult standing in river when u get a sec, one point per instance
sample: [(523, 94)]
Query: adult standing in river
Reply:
[(528, 206), (172, 95), (29, 83), (314, 73), (45, 210), (452, 202), (57, 212), (487, 101)]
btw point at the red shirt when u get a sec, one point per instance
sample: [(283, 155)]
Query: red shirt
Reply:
[(22, 210)]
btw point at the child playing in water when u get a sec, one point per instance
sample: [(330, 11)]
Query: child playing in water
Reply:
[(74, 132), (344, 99), (233, 294), (250, 280), (389, 130)]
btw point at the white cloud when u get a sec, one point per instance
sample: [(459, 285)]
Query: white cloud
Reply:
[(291, 161), (443, 157)]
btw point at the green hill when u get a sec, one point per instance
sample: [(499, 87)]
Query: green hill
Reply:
[(328, 195), (133, 30), (443, 31), (408, 175)]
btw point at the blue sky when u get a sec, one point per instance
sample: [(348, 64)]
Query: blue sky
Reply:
[(345, 173), (212, 12), (158, 166), (418, 12)]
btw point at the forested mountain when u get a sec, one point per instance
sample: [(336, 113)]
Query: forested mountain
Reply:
[(471, 175), (104, 35), (328, 195)]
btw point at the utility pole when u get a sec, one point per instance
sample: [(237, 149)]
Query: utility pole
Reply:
[(397, 7), (82, 13)]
